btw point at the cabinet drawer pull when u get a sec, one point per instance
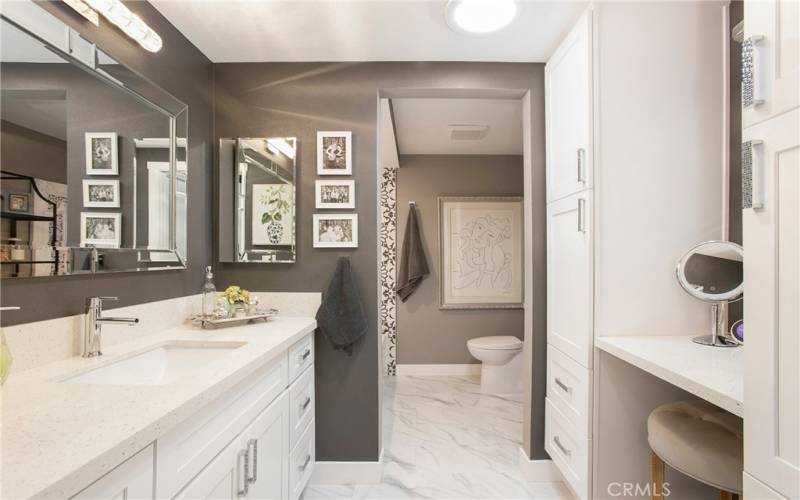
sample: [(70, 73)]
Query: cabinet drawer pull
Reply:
[(752, 175), (305, 404), (564, 387), (305, 463), (241, 474), (581, 153), (752, 94), (561, 447), (581, 215), (305, 355), (253, 445)]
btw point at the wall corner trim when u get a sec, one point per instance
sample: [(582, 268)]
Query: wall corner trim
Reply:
[(538, 471), (347, 472), (437, 370)]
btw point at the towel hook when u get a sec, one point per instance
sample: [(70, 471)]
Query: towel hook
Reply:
[(412, 202)]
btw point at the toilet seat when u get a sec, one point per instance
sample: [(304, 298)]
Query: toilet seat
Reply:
[(499, 343)]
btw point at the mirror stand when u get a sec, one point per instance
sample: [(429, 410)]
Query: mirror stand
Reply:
[(718, 320)]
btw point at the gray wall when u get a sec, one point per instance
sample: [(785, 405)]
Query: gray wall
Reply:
[(186, 73), (298, 99), (28, 152), (425, 333)]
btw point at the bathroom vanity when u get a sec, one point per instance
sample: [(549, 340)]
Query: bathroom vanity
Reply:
[(183, 413)]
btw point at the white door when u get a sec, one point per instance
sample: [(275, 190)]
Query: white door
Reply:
[(133, 479), (222, 479), (776, 57), (267, 443), (568, 103), (569, 276), (772, 306)]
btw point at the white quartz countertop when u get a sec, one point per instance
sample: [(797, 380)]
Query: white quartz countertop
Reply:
[(57, 438), (715, 374)]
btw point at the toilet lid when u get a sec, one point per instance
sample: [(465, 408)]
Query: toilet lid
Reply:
[(498, 342)]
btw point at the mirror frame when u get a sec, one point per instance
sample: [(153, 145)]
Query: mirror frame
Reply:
[(68, 44), (680, 275)]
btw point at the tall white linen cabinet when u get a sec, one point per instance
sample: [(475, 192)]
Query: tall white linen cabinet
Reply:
[(771, 236), (636, 138)]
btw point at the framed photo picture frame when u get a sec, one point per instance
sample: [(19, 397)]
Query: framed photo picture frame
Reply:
[(19, 202), (335, 230), (102, 153), (481, 252), (335, 153), (101, 229), (335, 194), (101, 193)]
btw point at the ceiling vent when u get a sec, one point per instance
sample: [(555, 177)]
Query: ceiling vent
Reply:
[(468, 132)]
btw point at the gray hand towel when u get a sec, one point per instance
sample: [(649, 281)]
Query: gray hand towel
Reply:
[(413, 264), (341, 316)]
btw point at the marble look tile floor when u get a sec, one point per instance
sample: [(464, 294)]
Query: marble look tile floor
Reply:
[(443, 439)]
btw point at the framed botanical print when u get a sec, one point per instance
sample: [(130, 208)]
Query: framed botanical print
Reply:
[(334, 153), (480, 253), (102, 155), (335, 194)]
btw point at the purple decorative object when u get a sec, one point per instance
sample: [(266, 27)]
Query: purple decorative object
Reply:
[(737, 331)]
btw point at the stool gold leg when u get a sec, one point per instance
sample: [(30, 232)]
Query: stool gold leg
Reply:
[(725, 495), (657, 477)]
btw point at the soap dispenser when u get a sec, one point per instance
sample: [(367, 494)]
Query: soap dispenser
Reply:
[(209, 294)]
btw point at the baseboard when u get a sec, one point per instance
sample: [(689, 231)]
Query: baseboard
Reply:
[(347, 472), (538, 471), (433, 370)]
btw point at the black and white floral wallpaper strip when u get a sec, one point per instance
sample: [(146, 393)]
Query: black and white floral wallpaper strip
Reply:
[(388, 274)]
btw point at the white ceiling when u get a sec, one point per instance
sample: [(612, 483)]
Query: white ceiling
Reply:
[(423, 126), (361, 30)]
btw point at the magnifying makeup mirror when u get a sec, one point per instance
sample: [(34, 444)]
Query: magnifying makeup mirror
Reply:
[(712, 272)]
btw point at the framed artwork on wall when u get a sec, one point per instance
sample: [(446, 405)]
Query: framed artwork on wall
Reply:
[(335, 230), (480, 253), (102, 154), (100, 193), (101, 229), (273, 219), (19, 202), (334, 153), (335, 194)]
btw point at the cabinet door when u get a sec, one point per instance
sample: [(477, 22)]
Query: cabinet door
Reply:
[(222, 479), (267, 444), (775, 57), (569, 276), (568, 103), (772, 309), (133, 479)]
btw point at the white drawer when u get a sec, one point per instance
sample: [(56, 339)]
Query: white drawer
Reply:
[(569, 388), (301, 401), (186, 450), (301, 356), (570, 451), (301, 462)]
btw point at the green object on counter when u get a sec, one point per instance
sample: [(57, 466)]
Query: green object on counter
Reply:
[(5, 359)]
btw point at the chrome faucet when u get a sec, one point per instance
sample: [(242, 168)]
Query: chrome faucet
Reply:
[(94, 324)]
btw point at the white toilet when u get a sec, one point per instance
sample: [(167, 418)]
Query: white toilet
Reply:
[(501, 363)]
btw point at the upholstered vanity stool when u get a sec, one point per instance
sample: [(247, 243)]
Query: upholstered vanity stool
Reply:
[(700, 440)]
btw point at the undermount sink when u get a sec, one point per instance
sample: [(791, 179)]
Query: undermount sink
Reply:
[(159, 365)]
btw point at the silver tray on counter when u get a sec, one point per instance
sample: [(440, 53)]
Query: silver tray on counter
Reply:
[(263, 315)]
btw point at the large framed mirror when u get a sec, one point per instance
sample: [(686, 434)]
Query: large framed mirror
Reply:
[(257, 190), (94, 157)]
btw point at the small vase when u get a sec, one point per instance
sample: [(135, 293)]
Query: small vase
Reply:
[(274, 232), (238, 310)]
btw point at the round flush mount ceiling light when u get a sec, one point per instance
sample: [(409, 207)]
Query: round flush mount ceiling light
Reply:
[(480, 17)]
